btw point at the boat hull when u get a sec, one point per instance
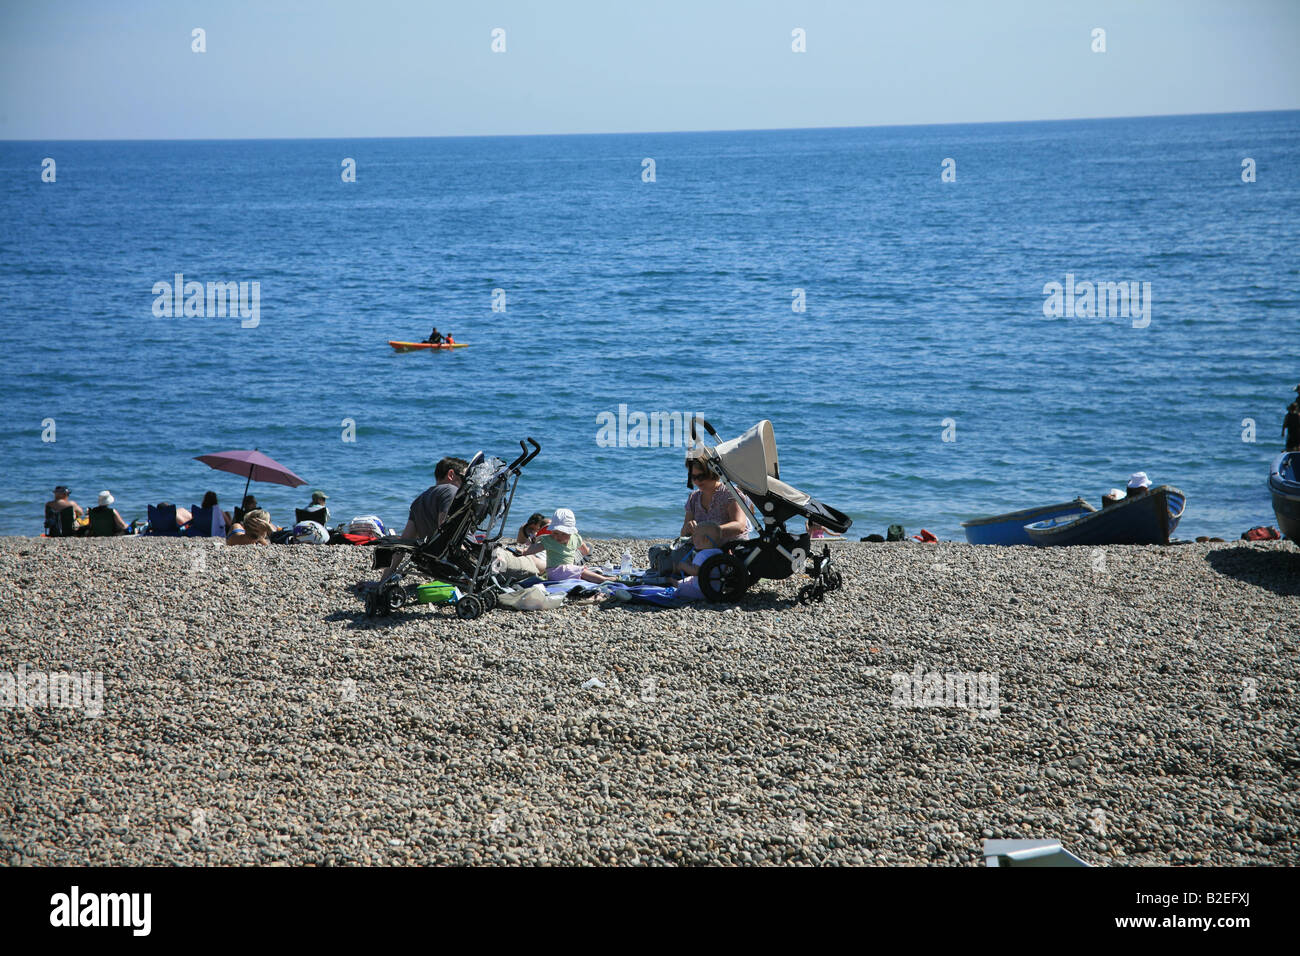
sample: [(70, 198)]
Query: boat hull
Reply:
[(1284, 486), (1147, 519), (426, 346), (1009, 529)]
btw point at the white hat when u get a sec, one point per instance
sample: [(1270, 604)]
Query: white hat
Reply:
[(564, 522), (105, 498), (1139, 480), (1114, 493)]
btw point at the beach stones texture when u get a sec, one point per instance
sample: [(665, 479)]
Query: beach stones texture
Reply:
[(1144, 714)]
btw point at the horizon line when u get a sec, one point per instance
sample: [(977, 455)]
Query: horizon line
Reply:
[(768, 129)]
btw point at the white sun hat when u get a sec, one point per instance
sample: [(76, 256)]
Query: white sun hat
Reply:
[(564, 522), (106, 498), (1139, 479)]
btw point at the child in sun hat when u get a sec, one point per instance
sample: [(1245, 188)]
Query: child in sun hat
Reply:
[(564, 547)]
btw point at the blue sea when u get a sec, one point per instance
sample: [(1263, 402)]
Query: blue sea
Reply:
[(921, 385)]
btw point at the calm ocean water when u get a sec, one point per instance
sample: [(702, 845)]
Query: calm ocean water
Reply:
[(924, 304)]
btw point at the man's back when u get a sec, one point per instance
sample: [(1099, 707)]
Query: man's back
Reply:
[(429, 505)]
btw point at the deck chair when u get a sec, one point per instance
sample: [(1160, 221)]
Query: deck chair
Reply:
[(1028, 853), (203, 521), (320, 515), (102, 523), (60, 524), (162, 522)]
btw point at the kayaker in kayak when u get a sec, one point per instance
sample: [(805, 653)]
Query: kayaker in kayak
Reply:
[(435, 337)]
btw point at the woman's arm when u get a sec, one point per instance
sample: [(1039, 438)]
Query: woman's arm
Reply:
[(736, 522), (533, 548)]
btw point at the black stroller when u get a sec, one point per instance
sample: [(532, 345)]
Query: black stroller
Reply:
[(748, 467), (460, 552)]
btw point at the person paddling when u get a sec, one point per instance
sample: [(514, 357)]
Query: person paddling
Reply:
[(435, 337)]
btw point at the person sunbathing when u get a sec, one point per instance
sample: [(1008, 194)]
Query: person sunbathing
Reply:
[(255, 529)]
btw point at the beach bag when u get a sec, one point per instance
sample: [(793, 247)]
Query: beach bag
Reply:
[(895, 533), (310, 532), (663, 557), (367, 524), (1262, 533), (534, 598), (437, 592)]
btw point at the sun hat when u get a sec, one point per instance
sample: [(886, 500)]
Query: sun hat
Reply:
[(564, 522), (106, 498), (318, 495), (1115, 493), (1139, 480)]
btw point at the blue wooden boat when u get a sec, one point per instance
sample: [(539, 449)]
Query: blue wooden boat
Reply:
[(1010, 528), (1146, 519), (1284, 486)]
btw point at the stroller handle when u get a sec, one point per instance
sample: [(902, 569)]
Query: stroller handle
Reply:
[(707, 427), (527, 455)]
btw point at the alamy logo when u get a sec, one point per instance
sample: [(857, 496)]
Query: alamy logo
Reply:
[(76, 690), (645, 430), (192, 300), (1100, 300), (103, 909), (964, 689)]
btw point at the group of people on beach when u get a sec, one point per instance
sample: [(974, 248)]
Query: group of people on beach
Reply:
[(552, 547), (250, 524)]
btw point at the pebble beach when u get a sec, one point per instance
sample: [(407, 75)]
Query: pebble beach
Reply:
[(1145, 715)]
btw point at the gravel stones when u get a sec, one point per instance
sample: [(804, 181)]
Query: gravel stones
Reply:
[(253, 715)]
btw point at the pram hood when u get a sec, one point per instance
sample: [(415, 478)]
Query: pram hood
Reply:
[(751, 462)]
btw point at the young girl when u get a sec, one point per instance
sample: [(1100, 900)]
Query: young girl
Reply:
[(563, 546)]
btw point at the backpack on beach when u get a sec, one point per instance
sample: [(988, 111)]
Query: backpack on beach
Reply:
[(367, 524), (896, 533), (664, 557)]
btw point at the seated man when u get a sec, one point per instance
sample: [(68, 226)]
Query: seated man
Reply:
[(55, 522), (1138, 485), (432, 506), (435, 337), (316, 511)]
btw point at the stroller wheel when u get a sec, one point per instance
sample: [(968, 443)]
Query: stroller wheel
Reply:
[(372, 608), (395, 599), (834, 581), (489, 600), (807, 594), (722, 578), (468, 608)]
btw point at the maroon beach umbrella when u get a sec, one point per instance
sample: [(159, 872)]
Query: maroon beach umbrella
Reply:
[(254, 464)]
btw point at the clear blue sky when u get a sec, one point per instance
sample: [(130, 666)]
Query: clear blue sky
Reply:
[(117, 69)]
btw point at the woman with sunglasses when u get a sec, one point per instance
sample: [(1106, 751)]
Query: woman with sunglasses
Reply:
[(711, 502)]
